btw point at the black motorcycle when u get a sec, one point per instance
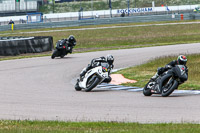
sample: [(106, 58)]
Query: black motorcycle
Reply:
[(61, 49), (166, 83)]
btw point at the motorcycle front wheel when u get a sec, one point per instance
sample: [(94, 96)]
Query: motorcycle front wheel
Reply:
[(77, 87), (92, 82), (169, 86), (146, 90), (54, 54)]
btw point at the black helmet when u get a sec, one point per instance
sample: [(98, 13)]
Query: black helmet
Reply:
[(71, 39), (110, 59), (182, 60)]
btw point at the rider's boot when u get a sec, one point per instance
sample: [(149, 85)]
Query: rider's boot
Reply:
[(70, 51), (82, 74), (107, 80)]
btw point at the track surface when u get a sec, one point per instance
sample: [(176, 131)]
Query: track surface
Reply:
[(42, 89)]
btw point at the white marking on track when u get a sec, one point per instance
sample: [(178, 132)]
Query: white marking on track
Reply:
[(138, 89)]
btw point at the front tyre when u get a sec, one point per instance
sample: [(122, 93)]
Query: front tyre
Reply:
[(169, 87), (147, 90), (54, 54), (77, 87), (92, 82)]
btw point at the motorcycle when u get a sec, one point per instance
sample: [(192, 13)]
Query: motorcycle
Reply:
[(61, 49), (166, 83), (93, 77)]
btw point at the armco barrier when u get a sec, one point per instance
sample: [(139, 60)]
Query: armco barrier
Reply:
[(21, 45), (100, 21)]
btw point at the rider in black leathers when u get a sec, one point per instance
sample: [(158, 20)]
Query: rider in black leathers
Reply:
[(97, 62), (182, 60), (69, 42)]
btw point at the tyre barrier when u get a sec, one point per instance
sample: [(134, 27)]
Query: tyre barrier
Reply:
[(10, 46)]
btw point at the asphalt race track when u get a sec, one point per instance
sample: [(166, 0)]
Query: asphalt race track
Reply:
[(42, 89)]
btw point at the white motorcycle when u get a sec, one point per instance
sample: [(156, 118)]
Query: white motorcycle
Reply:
[(93, 77)]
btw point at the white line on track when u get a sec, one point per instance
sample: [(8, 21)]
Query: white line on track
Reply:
[(137, 89)]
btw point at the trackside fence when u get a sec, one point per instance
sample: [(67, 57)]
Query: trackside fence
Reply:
[(100, 21)]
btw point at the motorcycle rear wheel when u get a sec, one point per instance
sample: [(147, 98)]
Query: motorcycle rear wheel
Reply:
[(62, 56)]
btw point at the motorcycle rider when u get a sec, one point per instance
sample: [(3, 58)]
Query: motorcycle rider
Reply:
[(181, 60), (69, 42), (97, 62)]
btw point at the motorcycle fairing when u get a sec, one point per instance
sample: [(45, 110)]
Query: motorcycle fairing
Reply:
[(96, 70)]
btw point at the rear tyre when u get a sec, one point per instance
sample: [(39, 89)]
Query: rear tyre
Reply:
[(169, 87), (62, 56), (77, 88), (146, 90), (92, 82), (64, 53)]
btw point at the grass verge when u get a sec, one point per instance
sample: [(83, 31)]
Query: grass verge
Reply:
[(116, 38), (22, 56), (124, 37), (144, 72), (109, 127)]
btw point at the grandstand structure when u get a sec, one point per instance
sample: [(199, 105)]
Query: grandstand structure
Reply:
[(14, 7)]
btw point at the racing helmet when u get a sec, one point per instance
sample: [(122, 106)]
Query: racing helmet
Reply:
[(72, 39), (110, 59), (182, 60)]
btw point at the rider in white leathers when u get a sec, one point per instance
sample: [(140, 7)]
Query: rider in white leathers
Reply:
[(97, 62)]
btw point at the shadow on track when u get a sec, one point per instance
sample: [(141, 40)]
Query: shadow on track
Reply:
[(67, 57)]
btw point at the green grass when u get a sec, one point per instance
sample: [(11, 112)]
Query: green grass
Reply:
[(24, 56), (91, 40), (104, 39), (144, 72), (118, 38), (97, 127)]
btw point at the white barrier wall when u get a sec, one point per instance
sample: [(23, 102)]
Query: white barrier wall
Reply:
[(11, 5), (106, 12), (7, 5), (31, 5), (157, 9), (119, 11)]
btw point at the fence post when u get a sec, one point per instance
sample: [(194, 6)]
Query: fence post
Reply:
[(181, 16), (12, 26)]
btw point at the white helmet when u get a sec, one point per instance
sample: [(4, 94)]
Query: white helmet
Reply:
[(110, 59)]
